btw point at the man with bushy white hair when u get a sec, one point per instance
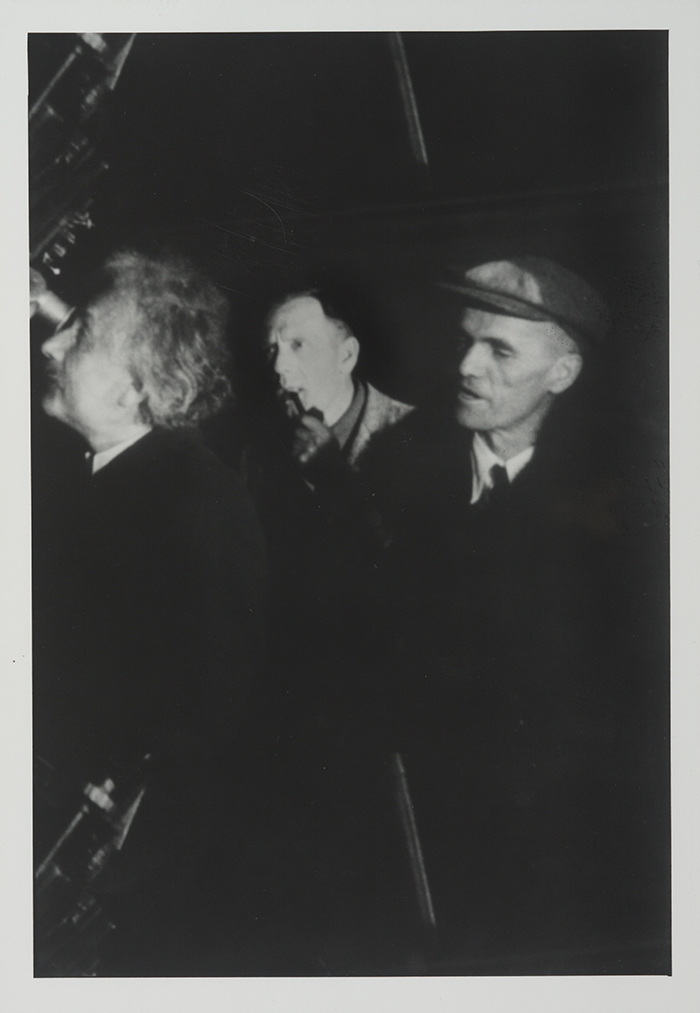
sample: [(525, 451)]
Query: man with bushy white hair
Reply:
[(151, 638)]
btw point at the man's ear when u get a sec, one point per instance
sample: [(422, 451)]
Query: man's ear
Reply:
[(564, 372), (349, 353)]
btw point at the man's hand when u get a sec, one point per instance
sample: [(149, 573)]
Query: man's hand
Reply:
[(313, 442)]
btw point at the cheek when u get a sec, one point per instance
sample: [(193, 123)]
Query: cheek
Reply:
[(521, 382), (528, 394), (72, 379), (506, 379), (96, 383), (330, 368), (298, 361), (316, 368)]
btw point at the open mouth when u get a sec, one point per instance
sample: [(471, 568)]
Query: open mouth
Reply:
[(289, 392), (467, 395)]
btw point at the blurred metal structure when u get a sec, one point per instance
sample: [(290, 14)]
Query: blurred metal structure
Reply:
[(412, 841), (408, 98), (70, 919), (65, 125)]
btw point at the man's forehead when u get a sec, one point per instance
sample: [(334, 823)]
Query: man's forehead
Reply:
[(303, 313)]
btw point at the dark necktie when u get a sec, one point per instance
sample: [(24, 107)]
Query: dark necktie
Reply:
[(500, 484)]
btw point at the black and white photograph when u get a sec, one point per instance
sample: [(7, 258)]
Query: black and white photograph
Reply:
[(350, 550)]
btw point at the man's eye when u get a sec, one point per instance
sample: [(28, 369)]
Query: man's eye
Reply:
[(501, 352), (295, 345)]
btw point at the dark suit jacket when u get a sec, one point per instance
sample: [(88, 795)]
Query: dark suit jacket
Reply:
[(513, 684), (331, 844), (148, 637)]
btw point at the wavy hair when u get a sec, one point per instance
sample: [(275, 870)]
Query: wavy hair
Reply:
[(177, 352)]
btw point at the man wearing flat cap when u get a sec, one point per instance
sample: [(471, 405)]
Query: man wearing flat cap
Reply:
[(506, 681), (525, 328)]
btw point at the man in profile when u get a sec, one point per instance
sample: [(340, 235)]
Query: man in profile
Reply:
[(309, 485), (324, 537), (513, 681), (519, 353), (148, 622), (314, 503), (314, 353)]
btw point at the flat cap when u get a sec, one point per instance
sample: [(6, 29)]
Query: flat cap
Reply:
[(534, 288)]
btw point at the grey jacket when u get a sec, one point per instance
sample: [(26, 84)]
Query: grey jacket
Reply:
[(380, 411)]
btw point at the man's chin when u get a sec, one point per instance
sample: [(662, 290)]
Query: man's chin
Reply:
[(53, 405), (48, 402), (470, 415), (308, 403)]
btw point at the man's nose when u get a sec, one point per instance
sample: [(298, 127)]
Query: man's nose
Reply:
[(56, 346), (282, 365), (274, 359), (473, 361)]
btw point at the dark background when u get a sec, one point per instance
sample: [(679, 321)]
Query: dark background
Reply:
[(281, 159)]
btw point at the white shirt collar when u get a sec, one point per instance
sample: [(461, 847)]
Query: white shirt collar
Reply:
[(483, 459), (105, 456)]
